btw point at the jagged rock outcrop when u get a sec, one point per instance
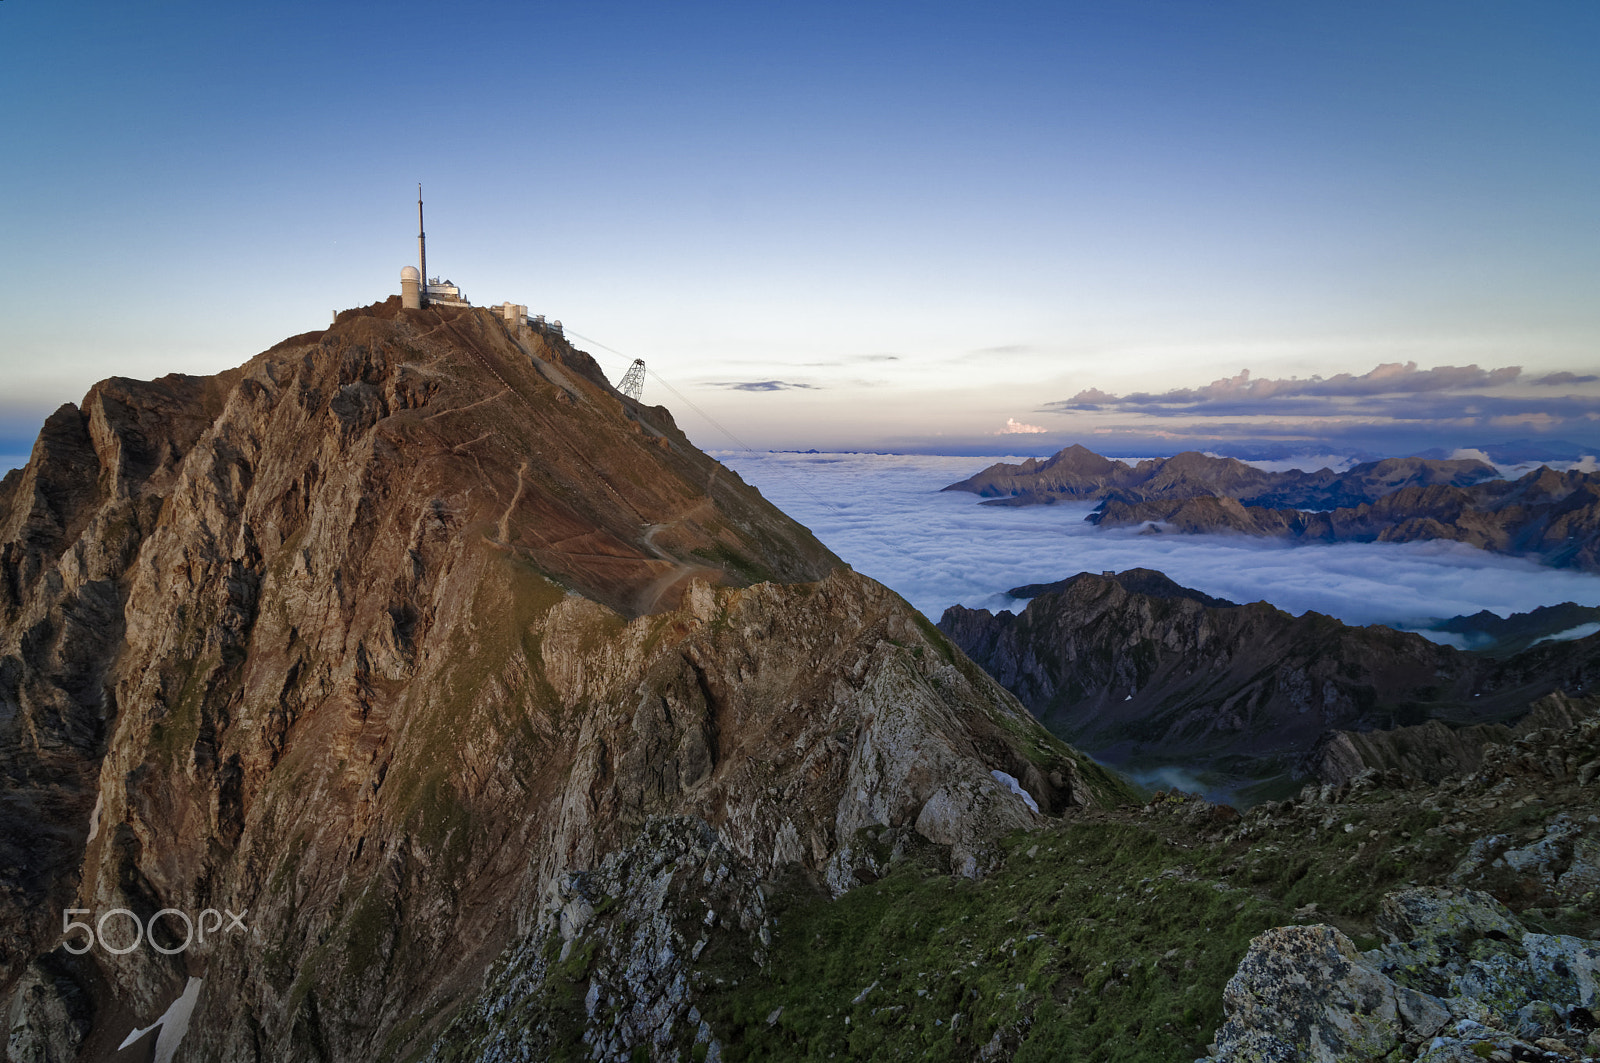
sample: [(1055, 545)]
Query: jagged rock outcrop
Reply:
[(1078, 474), (1161, 676), (380, 637), (617, 962), (1430, 752), (1460, 979)]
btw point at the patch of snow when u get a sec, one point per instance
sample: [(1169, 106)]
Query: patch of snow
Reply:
[(174, 1023), (1016, 788), (94, 817)]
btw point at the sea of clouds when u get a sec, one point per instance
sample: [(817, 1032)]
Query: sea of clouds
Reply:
[(886, 515)]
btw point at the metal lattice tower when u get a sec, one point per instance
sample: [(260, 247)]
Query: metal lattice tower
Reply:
[(633, 383)]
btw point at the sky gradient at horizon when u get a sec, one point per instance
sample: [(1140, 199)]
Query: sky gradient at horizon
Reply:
[(937, 219)]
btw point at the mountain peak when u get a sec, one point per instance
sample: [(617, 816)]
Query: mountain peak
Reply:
[(386, 636)]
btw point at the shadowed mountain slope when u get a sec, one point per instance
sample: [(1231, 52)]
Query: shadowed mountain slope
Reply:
[(1487, 632), (1145, 678)]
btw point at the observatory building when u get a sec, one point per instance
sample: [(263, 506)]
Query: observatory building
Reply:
[(415, 293)]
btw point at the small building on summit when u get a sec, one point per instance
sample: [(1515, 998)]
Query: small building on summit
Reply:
[(444, 293), (415, 294), (438, 292)]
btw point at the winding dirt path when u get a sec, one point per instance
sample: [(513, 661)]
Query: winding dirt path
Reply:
[(681, 573)]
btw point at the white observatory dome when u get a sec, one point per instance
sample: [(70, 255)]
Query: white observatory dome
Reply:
[(410, 274)]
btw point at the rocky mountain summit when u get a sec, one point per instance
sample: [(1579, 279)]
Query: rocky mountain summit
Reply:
[(1140, 671), (408, 693), (1551, 516), (384, 643)]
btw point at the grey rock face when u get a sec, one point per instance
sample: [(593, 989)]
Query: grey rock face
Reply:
[(626, 939), (50, 1015), (1305, 993), (1461, 978)]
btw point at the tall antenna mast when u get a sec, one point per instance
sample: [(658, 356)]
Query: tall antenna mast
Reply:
[(422, 247)]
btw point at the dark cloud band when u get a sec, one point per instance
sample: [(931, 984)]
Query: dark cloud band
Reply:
[(762, 385), (1234, 393)]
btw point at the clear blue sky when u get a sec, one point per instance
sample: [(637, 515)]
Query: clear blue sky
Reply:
[(936, 217)]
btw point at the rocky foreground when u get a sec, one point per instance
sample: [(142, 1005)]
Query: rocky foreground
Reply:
[(1459, 979), (1325, 927)]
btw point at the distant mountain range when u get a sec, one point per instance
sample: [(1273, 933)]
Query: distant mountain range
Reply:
[(1553, 517), (1488, 633), (1140, 671), (1079, 474)]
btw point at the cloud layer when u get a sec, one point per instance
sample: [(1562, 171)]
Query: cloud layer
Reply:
[(886, 516)]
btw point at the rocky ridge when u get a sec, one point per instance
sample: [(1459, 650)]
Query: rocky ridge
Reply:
[(1432, 751), (1112, 933), (1139, 674)]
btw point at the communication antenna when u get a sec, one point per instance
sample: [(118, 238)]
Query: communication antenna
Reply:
[(633, 382), (422, 247)]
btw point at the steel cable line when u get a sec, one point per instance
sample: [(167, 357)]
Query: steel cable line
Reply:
[(741, 444)]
